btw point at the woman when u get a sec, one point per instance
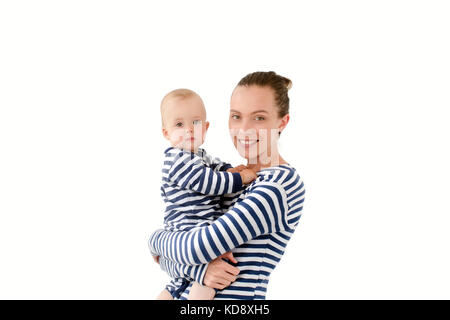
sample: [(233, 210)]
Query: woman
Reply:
[(261, 219)]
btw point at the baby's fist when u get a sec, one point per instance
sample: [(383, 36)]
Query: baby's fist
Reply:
[(236, 169), (247, 176)]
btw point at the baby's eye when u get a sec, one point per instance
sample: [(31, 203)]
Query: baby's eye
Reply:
[(197, 122), (179, 124), (235, 116)]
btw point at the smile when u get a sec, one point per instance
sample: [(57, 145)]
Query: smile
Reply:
[(247, 143)]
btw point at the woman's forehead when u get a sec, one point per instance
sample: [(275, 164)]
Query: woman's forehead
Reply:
[(253, 99)]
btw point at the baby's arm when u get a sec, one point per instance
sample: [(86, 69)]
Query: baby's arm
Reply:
[(215, 163), (247, 175), (188, 172)]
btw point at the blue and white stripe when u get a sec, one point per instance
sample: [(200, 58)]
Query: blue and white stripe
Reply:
[(191, 188), (257, 229)]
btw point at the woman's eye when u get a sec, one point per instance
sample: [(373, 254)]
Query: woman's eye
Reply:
[(259, 118), (235, 116), (179, 124), (197, 122)]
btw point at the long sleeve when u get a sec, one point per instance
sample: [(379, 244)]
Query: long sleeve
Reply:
[(215, 163), (263, 211), (176, 270), (187, 170), (228, 200)]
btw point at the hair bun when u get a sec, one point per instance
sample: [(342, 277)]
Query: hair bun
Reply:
[(288, 83)]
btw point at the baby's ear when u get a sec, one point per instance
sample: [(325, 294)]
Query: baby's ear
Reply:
[(207, 125), (165, 133)]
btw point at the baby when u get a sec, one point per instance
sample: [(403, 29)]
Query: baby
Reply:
[(192, 181)]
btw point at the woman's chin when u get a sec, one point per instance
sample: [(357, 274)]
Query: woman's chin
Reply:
[(252, 158)]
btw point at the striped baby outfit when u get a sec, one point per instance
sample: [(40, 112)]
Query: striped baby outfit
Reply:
[(192, 184)]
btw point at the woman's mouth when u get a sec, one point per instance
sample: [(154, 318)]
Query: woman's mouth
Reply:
[(247, 142)]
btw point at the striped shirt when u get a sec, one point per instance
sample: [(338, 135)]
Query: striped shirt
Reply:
[(256, 229), (192, 184)]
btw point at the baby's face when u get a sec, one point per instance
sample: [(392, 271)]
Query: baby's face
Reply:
[(184, 123)]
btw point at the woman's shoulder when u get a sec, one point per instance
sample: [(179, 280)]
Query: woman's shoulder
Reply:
[(282, 186), (283, 175)]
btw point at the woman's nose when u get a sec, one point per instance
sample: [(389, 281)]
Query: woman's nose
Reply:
[(244, 125), (247, 127)]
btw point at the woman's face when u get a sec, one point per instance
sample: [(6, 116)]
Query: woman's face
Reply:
[(254, 123)]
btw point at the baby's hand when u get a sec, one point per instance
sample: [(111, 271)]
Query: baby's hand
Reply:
[(237, 169), (247, 176)]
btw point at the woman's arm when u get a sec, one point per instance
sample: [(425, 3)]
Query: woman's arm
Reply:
[(176, 270), (217, 274), (263, 211)]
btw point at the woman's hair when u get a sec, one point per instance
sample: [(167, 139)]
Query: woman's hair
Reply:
[(279, 84)]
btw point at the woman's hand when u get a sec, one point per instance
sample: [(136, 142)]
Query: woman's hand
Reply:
[(221, 274)]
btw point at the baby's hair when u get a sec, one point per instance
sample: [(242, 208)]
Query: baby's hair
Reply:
[(177, 94)]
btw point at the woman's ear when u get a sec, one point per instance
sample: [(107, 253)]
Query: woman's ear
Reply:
[(284, 122)]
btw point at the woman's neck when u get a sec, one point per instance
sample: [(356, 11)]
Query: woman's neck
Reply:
[(259, 164)]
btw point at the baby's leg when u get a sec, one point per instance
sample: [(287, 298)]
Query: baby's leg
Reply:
[(164, 295), (173, 290), (199, 292)]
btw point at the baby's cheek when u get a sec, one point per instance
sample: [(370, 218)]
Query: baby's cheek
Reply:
[(203, 136), (176, 136)]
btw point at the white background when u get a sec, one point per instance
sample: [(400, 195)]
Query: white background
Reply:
[(81, 148)]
